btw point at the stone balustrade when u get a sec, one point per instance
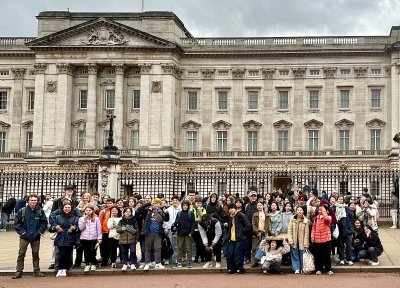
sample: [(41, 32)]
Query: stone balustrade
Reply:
[(15, 41)]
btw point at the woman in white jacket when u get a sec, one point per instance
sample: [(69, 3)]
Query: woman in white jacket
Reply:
[(113, 235)]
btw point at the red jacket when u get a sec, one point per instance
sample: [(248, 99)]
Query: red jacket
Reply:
[(321, 231), (104, 215)]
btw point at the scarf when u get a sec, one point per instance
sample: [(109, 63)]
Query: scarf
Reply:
[(340, 211)]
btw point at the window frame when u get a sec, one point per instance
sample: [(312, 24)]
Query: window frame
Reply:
[(3, 141), (190, 94), (252, 142), (341, 102), (135, 138), (31, 100), (378, 99), (344, 140), (222, 142), (280, 102), (313, 140), (191, 141), (220, 101), (283, 142), (136, 99), (107, 99), (4, 102), (310, 91), (375, 139), (82, 93), (81, 137), (252, 101)]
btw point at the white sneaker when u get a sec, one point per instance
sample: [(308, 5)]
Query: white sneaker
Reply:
[(375, 263), (93, 268), (152, 264), (59, 273), (146, 267), (166, 262), (217, 265), (159, 266), (141, 266), (124, 267), (208, 265), (113, 265), (87, 268), (133, 267), (64, 273), (350, 263), (297, 272), (393, 227), (330, 272), (341, 262), (318, 273)]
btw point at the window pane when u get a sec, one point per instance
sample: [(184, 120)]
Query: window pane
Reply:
[(314, 99), (2, 142), (253, 100), (81, 139), (283, 140), (191, 141), (313, 136), (344, 99), (375, 139), (344, 139), (252, 141), (192, 101), (136, 99), (222, 100), (3, 100), (83, 99), (31, 100), (222, 141), (110, 99), (375, 98), (135, 139), (283, 100)]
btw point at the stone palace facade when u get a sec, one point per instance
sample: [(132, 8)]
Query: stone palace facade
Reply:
[(267, 104)]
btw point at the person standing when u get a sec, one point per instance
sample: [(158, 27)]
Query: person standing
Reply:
[(30, 223), (249, 210), (394, 207), (173, 211), (8, 207)]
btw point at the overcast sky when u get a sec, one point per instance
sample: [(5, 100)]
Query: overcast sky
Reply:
[(227, 18)]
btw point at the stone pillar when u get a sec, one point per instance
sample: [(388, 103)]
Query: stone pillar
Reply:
[(239, 109), (329, 114), (16, 109), (360, 94), (38, 115), (144, 105), (108, 179), (296, 134), (267, 116), (119, 105), (63, 105), (91, 110), (207, 113)]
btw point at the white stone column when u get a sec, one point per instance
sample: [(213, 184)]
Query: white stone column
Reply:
[(144, 106), (329, 114), (16, 109), (91, 110), (206, 103), (38, 115), (238, 105), (63, 107), (119, 106)]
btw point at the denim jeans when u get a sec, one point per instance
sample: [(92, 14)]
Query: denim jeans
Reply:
[(174, 244), (296, 255), (4, 220), (344, 249), (128, 253), (236, 251)]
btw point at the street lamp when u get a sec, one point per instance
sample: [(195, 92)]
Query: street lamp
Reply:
[(110, 149)]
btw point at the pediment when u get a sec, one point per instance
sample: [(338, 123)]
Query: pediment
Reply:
[(78, 123), (221, 124), (252, 124), (191, 125), (4, 125), (375, 123), (282, 124), (344, 123), (27, 124), (100, 32), (133, 124), (103, 123), (313, 124)]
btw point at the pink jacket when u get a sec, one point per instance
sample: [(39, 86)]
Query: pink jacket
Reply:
[(321, 231), (90, 230)]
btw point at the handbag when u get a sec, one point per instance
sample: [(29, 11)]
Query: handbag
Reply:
[(308, 262), (335, 232)]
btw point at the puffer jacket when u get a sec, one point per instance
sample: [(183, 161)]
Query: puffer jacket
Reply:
[(90, 230), (126, 237), (104, 215), (65, 221), (321, 231), (298, 233)]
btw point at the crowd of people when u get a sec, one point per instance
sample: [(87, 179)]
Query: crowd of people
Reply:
[(266, 231)]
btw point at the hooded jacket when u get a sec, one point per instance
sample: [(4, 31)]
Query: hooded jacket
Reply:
[(65, 221), (31, 225)]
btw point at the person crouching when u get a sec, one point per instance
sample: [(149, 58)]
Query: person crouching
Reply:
[(271, 263)]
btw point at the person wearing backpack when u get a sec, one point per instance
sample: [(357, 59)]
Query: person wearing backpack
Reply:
[(185, 225), (30, 223)]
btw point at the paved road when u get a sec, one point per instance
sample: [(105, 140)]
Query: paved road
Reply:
[(211, 281)]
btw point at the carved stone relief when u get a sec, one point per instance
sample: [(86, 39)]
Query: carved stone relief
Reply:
[(156, 87), (104, 36), (51, 86)]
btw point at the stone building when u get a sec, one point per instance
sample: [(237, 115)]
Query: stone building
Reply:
[(285, 112)]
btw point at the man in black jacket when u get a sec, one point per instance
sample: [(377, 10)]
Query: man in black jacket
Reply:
[(238, 227), (68, 193), (8, 207), (249, 210)]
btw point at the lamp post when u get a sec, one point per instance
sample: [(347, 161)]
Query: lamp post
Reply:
[(110, 149)]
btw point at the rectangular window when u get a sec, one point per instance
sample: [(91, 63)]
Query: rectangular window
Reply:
[(81, 139), (375, 98), (252, 140), (375, 139), (314, 72), (31, 100), (110, 99), (83, 98), (344, 139), (135, 139), (3, 100), (2, 142), (375, 188), (29, 140), (283, 140), (313, 136), (253, 73), (283, 100), (222, 141), (314, 98), (344, 99), (223, 73), (345, 71), (192, 100), (136, 99), (253, 100), (105, 139), (222, 100), (191, 141), (4, 72), (284, 72), (376, 71)]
